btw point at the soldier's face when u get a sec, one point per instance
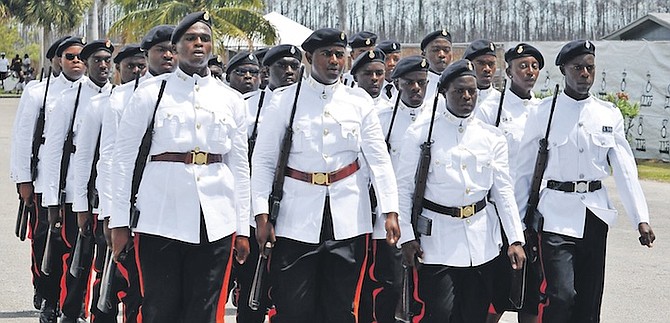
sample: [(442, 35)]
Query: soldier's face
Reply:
[(245, 78), (579, 75), (161, 58), (132, 66), (485, 67), (461, 95), (74, 68), (327, 63), (412, 87), (523, 73), (370, 78), (438, 54), (264, 76), (195, 47), (391, 61), (360, 50), (284, 72), (98, 66)]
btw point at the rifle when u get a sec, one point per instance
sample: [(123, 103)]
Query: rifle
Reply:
[(141, 161), (68, 148), (257, 284), (81, 247), (421, 224), (137, 81), (500, 104), (275, 199), (280, 171), (254, 131), (39, 132), (105, 301), (19, 215), (532, 219)]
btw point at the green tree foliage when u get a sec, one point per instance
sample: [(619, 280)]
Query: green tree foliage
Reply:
[(628, 109), (241, 19)]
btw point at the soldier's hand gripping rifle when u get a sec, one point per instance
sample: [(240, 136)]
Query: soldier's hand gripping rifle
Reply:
[(532, 218), (106, 300), (275, 199), (420, 224), (68, 148)]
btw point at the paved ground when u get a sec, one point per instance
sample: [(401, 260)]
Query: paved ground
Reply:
[(637, 279)]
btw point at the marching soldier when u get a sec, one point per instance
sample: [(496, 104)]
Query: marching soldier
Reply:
[(215, 65), (157, 50), (359, 43), (436, 47), (192, 206), (263, 75), (469, 159), (283, 64), (243, 73), (524, 63), (130, 63), (320, 237), (36, 105), (586, 142), (64, 124), (482, 54), (411, 78), (392, 51), (368, 71)]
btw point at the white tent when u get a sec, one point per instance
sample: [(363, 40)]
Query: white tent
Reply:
[(288, 32)]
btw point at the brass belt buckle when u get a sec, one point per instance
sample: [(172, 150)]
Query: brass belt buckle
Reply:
[(467, 211), (582, 187), (199, 158), (320, 179)]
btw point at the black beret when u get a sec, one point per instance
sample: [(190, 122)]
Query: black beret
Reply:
[(365, 58), (127, 51), (51, 53), (70, 41), (94, 46), (324, 37), (241, 58), (389, 46), (524, 50), (215, 60), (188, 21), (574, 49), (280, 51), (461, 67), (410, 64), (260, 54), (157, 34), (430, 37), (363, 39), (478, 48)]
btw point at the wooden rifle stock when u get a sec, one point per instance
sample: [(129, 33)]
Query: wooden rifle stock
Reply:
[(532, 219)]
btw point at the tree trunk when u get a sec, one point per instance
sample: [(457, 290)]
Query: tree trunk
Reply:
[(92, 24), (342, 13)]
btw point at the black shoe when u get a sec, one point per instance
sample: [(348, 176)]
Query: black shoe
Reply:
[(48, 312), (37, 299)]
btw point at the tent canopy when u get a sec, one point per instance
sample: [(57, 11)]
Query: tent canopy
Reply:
[(288, 32)]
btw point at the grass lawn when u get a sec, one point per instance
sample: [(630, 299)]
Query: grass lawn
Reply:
[(654, 170)]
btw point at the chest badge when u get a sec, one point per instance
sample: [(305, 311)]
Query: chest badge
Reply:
[(607, 129)]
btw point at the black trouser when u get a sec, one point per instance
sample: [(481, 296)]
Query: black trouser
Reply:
[(502, 279), (317, 282), (453, 294), (183, 282), (574, 271), (244, 276), (48, 286), (73, 297), (382, 284)]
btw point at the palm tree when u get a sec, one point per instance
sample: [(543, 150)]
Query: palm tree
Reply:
[(241, 19)]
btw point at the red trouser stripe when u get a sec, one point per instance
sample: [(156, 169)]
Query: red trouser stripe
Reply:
[(415, 276), (543, 285), (223, 297), (63, 284), (361, 276)]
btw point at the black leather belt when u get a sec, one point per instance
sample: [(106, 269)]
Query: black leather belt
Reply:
[(457, 212), (575, 187)]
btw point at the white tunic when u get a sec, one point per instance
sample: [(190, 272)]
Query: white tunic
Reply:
[(333, 125), (195, 113), (491, 94), (584, 136), (469, 158)]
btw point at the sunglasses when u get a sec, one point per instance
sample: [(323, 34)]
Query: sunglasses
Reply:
[(243, 72), (71, 57)]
